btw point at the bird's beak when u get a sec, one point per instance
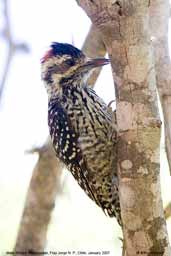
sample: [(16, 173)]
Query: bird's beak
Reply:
[(95, 63)]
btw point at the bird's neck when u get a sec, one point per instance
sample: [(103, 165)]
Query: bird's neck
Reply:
[(65, 88), (76, 79)]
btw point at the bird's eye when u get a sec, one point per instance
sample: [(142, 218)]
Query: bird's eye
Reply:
[(70, 62)]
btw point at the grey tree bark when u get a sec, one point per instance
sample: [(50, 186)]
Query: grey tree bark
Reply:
[(124, 26)]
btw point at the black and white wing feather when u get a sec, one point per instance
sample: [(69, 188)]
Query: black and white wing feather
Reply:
[(66, 143)]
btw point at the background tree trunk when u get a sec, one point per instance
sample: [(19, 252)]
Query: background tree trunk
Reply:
[(40, 201), (124, 26), (159, 21)]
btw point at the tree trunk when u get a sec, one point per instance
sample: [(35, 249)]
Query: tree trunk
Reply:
[(124, 26), (159, 18)]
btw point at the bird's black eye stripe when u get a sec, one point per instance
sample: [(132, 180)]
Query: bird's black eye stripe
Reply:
[(70, 62)]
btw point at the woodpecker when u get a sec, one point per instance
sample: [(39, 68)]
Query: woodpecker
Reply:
[(81, 124)]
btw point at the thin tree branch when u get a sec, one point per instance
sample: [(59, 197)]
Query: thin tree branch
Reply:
[(12, 46)]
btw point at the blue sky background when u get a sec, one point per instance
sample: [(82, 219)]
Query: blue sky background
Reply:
[(77, 224)]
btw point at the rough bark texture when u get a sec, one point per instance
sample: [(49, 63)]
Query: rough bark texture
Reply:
[(159, 19), (44, 185), (124, 26)]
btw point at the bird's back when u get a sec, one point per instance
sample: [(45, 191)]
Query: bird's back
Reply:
[(85, 140)]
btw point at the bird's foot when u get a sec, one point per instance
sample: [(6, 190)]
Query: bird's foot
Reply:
[(113, 112), (109, 105)]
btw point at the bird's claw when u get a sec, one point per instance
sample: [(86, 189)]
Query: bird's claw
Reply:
[(110, 103)]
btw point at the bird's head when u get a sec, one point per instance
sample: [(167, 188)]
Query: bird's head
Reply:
[(65, 64)]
